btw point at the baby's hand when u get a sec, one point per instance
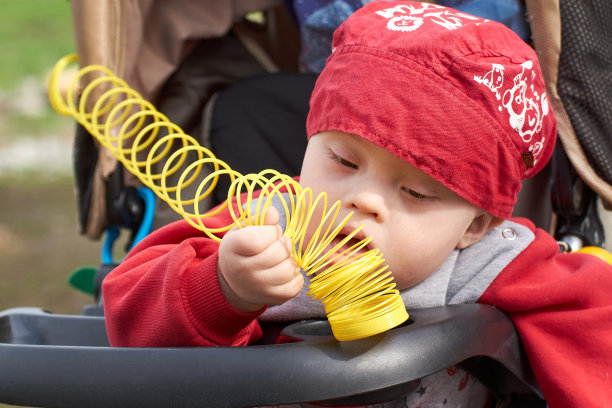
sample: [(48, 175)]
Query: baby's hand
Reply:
[(256, 267)]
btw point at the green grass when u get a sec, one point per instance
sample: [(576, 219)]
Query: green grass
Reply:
[(47, 122), (34, 34)]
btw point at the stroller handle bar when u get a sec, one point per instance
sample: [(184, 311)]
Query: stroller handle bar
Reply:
[(51, 360)]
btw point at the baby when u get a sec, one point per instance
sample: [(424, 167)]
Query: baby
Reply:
[(423, 123)]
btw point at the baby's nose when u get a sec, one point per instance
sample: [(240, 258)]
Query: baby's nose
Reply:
[(369, 202)]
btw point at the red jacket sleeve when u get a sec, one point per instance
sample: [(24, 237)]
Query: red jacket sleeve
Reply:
[(561, 305), (166, 294)]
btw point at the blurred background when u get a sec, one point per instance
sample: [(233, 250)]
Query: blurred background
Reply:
[(39, 242)]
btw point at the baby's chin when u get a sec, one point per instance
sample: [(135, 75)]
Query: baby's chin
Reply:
[(409, 279)]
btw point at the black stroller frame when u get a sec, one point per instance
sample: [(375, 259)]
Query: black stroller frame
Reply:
[(52, 360)]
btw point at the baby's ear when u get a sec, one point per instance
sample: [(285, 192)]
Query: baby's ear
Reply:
[(480, 225)]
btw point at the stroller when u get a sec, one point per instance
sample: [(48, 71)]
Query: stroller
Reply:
[(59, 360)]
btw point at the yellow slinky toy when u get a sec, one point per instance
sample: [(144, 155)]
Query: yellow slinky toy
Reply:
[(355, 287)]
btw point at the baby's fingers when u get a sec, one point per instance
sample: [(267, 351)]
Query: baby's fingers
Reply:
[(250, 241), (279, 294), (275, 253), (273, 272)]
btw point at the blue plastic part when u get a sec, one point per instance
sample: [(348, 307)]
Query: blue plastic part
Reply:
[(112, 233), (147, 220)]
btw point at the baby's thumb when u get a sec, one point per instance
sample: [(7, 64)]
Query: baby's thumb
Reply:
[(271, 217)]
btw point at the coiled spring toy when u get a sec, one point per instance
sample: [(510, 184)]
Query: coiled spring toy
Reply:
[(356, 289)]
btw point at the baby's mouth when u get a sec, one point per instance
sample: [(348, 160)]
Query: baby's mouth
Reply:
[(352, 244), (347, 247)]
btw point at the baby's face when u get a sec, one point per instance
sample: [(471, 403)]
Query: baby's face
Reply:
[(414, 220)]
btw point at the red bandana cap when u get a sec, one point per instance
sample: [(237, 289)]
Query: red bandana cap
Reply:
[(459, 97)]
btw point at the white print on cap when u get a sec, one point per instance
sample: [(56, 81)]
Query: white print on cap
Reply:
[(409, 18), (525, 106)]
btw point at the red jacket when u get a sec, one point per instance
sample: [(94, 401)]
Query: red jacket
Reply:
[(165, 293)]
